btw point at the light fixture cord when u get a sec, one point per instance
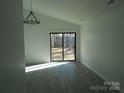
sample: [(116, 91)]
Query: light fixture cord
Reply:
[(31, 5)]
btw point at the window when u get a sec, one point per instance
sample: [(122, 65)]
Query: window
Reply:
[(63, 46)]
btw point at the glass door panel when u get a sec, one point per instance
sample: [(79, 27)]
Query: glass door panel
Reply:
[(56, 47), (69, 46)]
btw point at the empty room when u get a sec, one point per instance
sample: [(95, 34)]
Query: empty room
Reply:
[(62, 46)]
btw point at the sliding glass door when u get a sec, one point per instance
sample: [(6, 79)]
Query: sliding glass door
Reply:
[(63, 46)]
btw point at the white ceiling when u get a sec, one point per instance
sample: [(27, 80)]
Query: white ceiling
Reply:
[(73, 10)]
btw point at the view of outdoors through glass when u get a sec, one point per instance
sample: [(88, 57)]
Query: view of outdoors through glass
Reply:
[(62, 46)]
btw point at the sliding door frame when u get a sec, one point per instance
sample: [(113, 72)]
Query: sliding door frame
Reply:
[(62, 47)]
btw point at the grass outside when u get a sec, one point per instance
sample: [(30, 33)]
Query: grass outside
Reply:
[(68, 54)]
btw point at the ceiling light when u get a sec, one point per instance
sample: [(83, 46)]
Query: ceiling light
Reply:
[(31, 17), (110, 1)]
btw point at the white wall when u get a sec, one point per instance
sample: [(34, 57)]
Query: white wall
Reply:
[(102, 45), (11, 47), (37, 40)]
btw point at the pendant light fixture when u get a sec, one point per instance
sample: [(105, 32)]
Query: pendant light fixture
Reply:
[(31, 18), (109, 2)]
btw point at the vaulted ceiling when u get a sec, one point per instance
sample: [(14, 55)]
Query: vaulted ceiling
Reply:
[(74, 11)]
